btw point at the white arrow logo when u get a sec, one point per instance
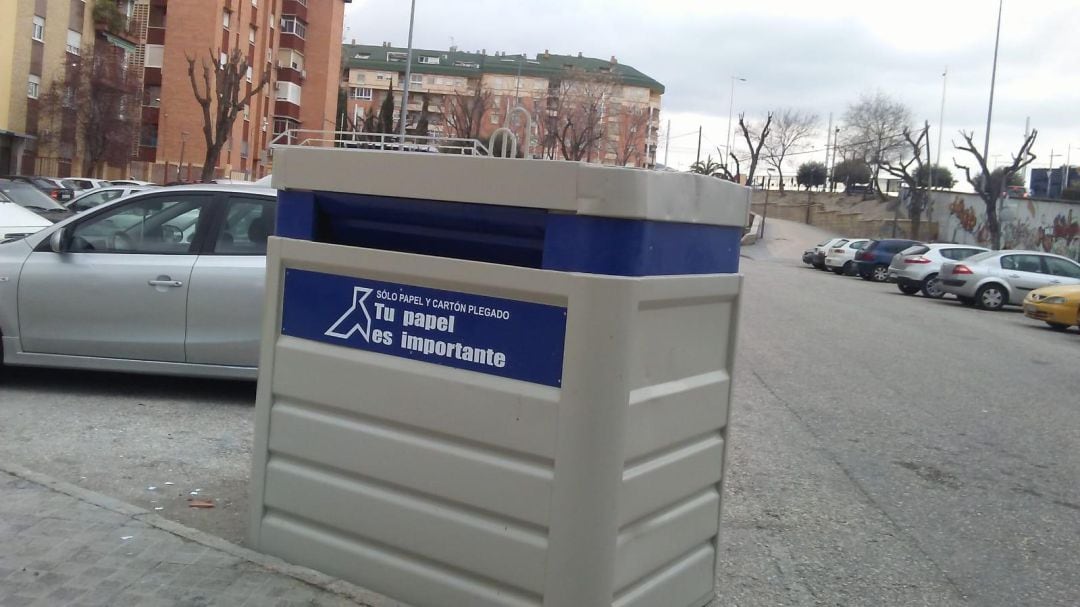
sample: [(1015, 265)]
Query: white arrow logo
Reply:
[(355, 320)]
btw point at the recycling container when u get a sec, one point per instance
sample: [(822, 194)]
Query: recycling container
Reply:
[(497, 382)]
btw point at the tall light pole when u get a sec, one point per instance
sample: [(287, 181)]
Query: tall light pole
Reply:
[(941, 124), (731, 108), (993, 81), (408, 76)]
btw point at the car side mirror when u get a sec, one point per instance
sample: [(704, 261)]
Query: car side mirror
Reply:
[(56, 241)]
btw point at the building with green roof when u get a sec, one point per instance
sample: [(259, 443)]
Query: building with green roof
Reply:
[(582, 108)]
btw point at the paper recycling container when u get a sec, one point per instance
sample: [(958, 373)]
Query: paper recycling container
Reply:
[(497, 382)]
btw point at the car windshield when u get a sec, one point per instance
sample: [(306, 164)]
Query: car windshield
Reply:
[(28, 196)]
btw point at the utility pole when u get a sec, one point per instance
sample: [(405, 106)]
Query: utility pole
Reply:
[(698, 144), (828, 136), (667, 142), (1050, 173), (731, 108), (408, 77), (1067, 173)]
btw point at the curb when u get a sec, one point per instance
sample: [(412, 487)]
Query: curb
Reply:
[(333, 585)]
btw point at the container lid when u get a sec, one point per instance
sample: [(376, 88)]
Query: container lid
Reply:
[(556, 185)]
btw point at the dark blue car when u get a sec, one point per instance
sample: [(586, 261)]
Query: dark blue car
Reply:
[(872, 263)]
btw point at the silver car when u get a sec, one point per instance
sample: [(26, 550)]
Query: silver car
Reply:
[(166, 281), (993, 279), (916, 268)]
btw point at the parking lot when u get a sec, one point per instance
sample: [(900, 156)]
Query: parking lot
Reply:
[(885, 449)]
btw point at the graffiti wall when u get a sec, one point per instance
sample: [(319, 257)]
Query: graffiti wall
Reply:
[(1042, 225)]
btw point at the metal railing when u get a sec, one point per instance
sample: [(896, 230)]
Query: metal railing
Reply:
[(379, 141)]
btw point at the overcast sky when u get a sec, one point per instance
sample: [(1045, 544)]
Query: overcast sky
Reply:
[(817, 56)]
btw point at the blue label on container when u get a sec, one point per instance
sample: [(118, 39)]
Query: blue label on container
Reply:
[(504, 337)]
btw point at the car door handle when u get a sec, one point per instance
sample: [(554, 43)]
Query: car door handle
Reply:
[(165, 283), (1014, 276)]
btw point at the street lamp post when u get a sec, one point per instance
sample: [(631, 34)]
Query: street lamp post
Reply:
[(989, 116), (765, 209), (404, 114), (731, 108)]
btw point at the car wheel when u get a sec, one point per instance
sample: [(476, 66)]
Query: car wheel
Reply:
[(848, 268), (931, 287), (991, 297), (1058, 326), (907, 288), (880, 273), (838, 271)]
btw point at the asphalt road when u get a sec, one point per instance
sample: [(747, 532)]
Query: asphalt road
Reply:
[(885, 449)]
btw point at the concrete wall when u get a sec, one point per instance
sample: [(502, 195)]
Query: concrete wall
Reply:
[(1044, 225), (841, 222)]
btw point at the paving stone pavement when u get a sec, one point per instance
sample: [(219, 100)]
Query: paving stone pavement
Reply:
[(62, 545)]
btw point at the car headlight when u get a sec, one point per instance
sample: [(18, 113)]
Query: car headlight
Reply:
[(1054, 300)]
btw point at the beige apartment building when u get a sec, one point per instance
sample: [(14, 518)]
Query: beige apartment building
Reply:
[(620, 104), (296, 42)]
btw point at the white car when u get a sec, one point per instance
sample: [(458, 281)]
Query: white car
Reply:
[(841, 259), (82, 184), (17, 222), (93, 198), (130, 182)]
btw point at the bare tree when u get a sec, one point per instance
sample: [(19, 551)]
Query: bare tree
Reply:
[(873, 129), (749, 134), (790, 130), (577, 101), (93, 108), (910, 171), (221, 100), (990, 185), (633, 133), (464, 111)]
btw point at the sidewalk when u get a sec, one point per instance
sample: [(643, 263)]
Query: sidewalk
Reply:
[(63, 545)]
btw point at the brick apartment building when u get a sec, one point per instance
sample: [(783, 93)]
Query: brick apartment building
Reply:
[(297, 41), (624, 103)]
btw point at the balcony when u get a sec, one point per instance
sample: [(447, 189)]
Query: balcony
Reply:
[(292, 41), (155, 35), (108, 19), (285, 109), (289, 74), (150, 114), (295, 7)]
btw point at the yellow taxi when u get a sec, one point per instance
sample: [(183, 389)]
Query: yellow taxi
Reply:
[(1057, 306)]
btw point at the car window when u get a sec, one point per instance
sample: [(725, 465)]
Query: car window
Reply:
[(1061, 267), (839, 243), (915, 250), (248, 222), (966, 253), (28, 196), (895, 247), (97, 198), (1022, 263), (155, 225), (859, 244)]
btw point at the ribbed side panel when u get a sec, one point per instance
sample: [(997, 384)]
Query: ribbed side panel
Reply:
[(672, 412), (404, 577), (656, 481), (649, 544), (686, 582), (478, 542), (490, 410), (434, 466)]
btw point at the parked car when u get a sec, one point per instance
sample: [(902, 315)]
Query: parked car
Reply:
[(130, 182), (29, 197), (872, 263), (17, 222), (176, 277), (93, 198), (916, 268), (1057, 306), (808, 257), (81, 184), (994, 279), (53, 189), (818, 258), (841, 259)]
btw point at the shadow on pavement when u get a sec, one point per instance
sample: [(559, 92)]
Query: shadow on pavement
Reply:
[(99, 383)]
